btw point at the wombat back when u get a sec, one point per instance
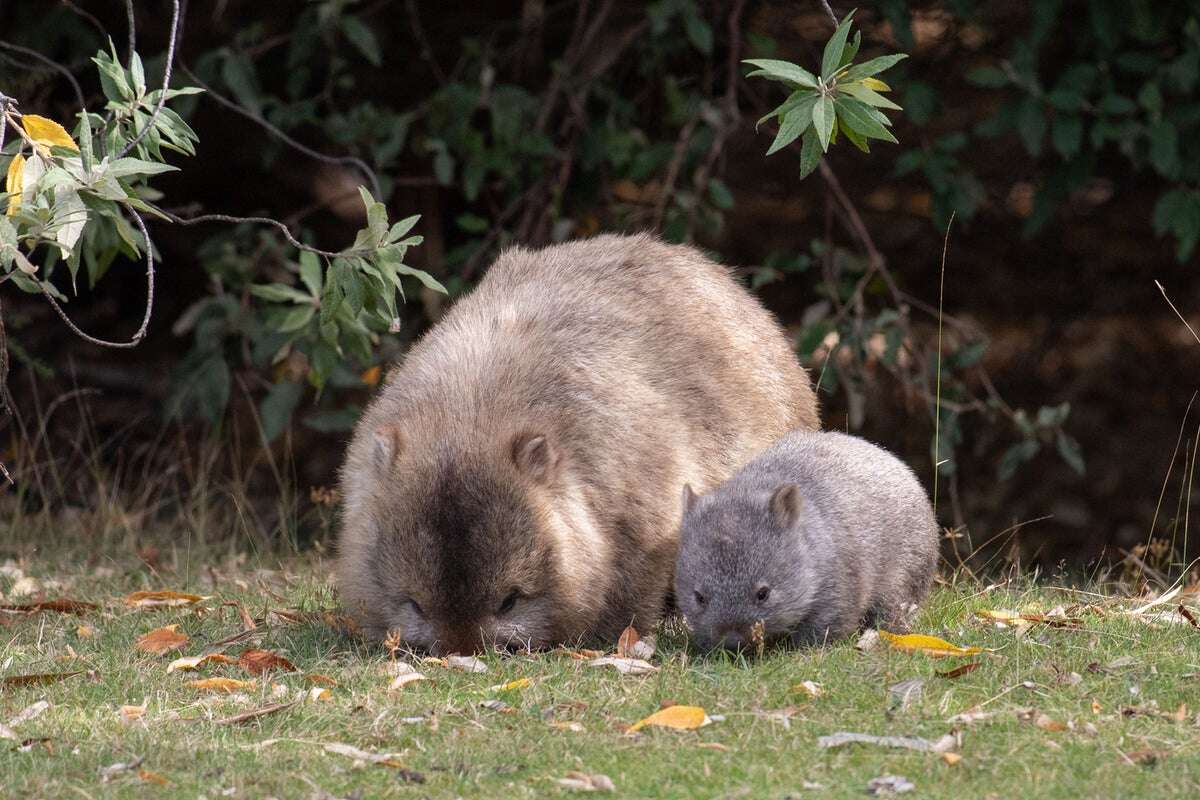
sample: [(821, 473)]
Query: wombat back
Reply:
[(818, 534)]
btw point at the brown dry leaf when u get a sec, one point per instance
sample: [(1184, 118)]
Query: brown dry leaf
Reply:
[(129, 714), (683, 718), (1048, 723), (951, 758), (221, 685), (31, 712), (714, 746), (1142, 758), (195, 662), (248, 623), (958, 672), (59, 606), (629, 637), (40, 680), (160, 640), (1188, 615), (85, 631), (583, 782), (152, 777), (162, 599), (625, 666), (320, 680), (929, 645), (257, 662)]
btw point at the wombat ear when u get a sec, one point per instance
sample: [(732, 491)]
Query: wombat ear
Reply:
[(786, 505), (387, 446), (534, 456), (689, 498)]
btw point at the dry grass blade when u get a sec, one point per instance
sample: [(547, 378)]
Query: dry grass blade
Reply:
[(245, 716), (37, 680), (162, 599)]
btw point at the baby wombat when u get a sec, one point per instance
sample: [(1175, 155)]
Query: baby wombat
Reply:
[(819, 534), (517, 479)]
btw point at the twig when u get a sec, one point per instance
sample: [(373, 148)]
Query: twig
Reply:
[(832, 17), (86, 15), (418, 31), (1186, 324), (162, 98), (677, 158), (131, 26), (49, 62), (937, 403)]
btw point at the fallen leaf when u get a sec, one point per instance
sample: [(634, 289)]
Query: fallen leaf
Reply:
[(30, 680), (221, 685), (714, 746), (109, 772), (1142, 758), (85, 632), (162, 598), (258, 662), (1188, 615), (1055, 618), (14, 185), (1048, 723), (131, 713), (160, 640), (843, 738), (255, 713), (929, 645), (404, 674), (60, 606), (626, 666), (958, 672), (466, 664), (868, 641), (152, 777), (319, 694), (498, 706), (573, 727), (248, 623), (195, 662), (889, 784), (1118, 663), (319, 679), (511, 686), (951, 758), (350, 751), (31, 712), (683, 718), (583, 782), (810, 688)]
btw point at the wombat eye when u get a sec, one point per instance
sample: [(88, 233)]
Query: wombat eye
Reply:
[(416, 607), (699, 598), (509, 602), (763, 593)]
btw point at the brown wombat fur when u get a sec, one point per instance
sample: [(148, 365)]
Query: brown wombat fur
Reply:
[(517, 479)]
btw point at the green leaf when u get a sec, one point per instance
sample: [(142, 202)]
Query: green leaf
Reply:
[(1031, 124), (720, 195), (699, 32), (112, 76), (124, 167), (1015, 456), (238, 73), (363, 39), (295, 319), (823, 117), (834, 48), (855, 138), (472, 223), (311, 273), (277, 407), (402, 227), (851, 50), (1071, 452), (1067, 134), (783, 71), (870, 68), (1164, 150), (866, 95), (427, 280), (794, 100), (1116, 104), (138, 74), (858, 118), (795, 122), (987, 77), (810, 153), (280, 293)]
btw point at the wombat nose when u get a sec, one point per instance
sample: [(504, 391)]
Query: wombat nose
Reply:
[(733, 638)]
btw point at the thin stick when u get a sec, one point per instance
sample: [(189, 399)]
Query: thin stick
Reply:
[(162, 98), (937, 403), (1176, 310), (51, 63), (1170, 468)]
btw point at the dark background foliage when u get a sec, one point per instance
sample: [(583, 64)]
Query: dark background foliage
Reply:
[(1063, 136)]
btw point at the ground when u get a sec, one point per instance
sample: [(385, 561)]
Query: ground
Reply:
[(1101, 703)]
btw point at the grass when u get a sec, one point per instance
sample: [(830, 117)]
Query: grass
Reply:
[(764, 746)]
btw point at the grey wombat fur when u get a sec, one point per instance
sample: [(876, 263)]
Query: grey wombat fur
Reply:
[(516, 481), (819, 534)]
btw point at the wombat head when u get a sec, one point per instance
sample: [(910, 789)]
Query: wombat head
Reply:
[(462, 546), (742, 572)]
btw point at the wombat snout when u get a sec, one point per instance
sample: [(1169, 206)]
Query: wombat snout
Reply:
[(733, 637)]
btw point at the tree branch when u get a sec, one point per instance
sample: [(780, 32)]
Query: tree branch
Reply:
[(162, 98)]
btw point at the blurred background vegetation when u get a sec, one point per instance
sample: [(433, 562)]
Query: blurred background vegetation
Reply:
[(1063, 138)]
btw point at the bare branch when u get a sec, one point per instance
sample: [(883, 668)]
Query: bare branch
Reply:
[(51, 63), (287, 233), (162, 98), (132, 27), (832, 17)]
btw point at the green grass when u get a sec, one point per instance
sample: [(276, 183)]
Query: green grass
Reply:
[(463, 749)]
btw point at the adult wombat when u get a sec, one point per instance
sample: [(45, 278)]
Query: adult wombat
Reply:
[(517, 479), (817, 535)]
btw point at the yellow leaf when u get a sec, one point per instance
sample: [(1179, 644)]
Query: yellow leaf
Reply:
[(370, 376), (224, 685), (161, 598), (47, 132), (519, 683), (929, 645), (681, 718), (13, 182), (876, 84), (951, 758)]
